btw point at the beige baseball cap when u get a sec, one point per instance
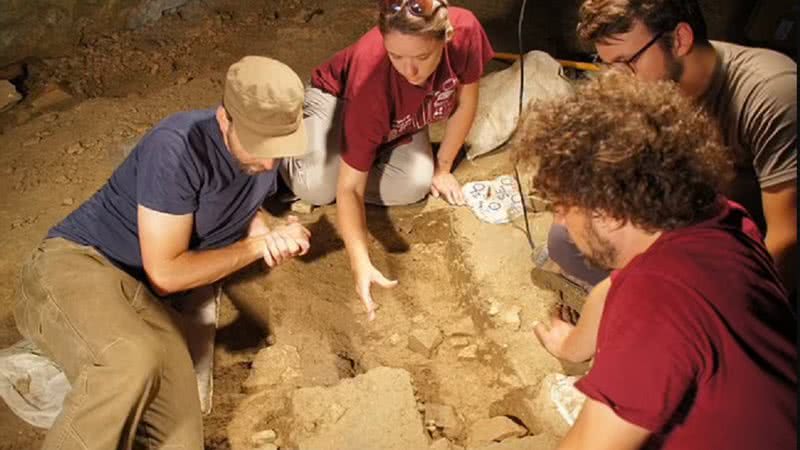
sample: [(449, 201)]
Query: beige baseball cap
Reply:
[(265, 99)]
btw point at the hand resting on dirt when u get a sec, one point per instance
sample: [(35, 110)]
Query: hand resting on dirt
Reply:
[(446, 185)]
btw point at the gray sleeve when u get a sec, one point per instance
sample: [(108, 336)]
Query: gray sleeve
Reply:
[(771, 129)]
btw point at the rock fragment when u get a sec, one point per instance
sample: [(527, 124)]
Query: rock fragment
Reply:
[(275, 365), (51, 96), (468, 353), (8, 95), (496, 429), (463, 327), (445, 418), (425, 341)]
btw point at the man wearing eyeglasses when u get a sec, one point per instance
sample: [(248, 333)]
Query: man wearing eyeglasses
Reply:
[(750, 92)]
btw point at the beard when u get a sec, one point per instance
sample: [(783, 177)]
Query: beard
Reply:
[(601, 253)]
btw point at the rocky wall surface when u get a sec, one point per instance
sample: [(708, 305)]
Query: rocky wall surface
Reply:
[(49, 28)]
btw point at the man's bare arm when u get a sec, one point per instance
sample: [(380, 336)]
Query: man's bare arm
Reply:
[(598, 428), (780, 212)]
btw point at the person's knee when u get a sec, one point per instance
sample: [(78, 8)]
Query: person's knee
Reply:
[(311, 180), (559, 246), (417, 183), (562, 250), (318, 193)]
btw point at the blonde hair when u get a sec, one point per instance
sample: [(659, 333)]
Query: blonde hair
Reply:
[(436, 26)]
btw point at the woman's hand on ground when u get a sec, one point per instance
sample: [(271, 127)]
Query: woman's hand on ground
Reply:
[(286, 241), (445, 185), (364, 278)]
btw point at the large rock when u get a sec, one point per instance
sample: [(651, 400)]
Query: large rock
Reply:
[(275, 365), (376, 410), (8, 95)]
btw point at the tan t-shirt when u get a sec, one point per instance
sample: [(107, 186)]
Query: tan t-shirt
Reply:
[(753, 96)]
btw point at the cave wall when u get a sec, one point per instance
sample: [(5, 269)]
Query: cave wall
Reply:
[(49, 28)]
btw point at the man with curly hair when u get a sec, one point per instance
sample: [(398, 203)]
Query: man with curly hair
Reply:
[(750, 93), (695, 344)]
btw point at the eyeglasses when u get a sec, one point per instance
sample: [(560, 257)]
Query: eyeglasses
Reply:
[(628, 63), (419, 8)]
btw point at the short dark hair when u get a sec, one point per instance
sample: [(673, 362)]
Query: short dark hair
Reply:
[(600, 19), (637, 151)]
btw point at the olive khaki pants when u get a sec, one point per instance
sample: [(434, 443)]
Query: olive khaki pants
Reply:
[(133, 384)]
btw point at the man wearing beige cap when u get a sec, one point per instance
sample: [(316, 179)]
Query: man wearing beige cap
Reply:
[(182, 211)]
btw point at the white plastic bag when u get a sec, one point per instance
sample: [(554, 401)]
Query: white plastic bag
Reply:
[(32, 385)]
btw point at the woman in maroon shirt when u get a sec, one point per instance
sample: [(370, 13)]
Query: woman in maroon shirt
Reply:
[(370, 105)]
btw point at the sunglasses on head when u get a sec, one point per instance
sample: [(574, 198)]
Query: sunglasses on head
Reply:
[(419, 8)]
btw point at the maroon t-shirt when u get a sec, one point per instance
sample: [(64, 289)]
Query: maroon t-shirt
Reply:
[(380, 106), (697, 342)]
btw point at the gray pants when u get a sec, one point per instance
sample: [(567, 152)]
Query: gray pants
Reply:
[(563, 251), (399, 176)]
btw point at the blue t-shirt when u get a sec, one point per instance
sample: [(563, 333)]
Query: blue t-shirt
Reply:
[(181, 166)]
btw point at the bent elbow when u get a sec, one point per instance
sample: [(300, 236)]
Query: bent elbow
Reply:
[(161, 283)]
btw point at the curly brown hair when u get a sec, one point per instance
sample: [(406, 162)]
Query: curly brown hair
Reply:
[(637, 151), (600, 19)]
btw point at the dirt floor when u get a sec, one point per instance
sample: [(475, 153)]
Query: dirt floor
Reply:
[(58, 150)]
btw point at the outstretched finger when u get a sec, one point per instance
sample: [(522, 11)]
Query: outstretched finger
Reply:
[(434, 191), (369, 304), (382, 281)]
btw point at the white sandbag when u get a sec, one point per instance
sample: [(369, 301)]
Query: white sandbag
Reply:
[(498, 104)]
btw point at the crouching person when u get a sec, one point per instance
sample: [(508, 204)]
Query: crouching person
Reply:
[(182, 211), (695, 345)]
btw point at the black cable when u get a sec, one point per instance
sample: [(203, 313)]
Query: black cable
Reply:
[(522, 196), (521, 56)]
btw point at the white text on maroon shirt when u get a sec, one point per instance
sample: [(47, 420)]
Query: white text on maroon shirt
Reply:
[(438, 105)]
